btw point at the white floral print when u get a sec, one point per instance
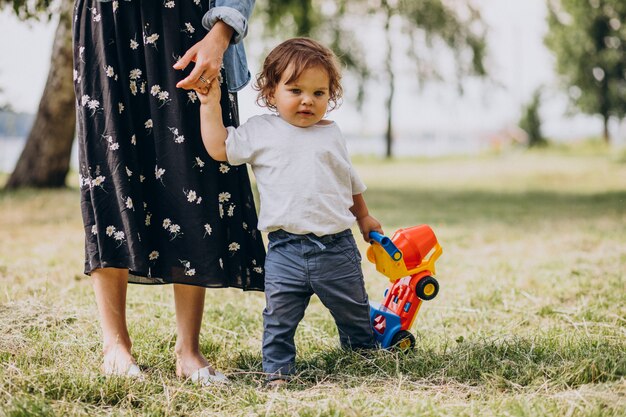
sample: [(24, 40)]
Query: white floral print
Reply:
[(95, 15), (150, 39), (127, 125), (223, 197), (191, 195), (158, 173), (135, 74), (97, 182), (189, 271), (162, 95), (189, 29), (174, 230), (199, 162), (177, 138), (113, 145)]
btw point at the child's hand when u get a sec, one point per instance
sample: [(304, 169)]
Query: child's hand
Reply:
[(369, 224), (210, 94)]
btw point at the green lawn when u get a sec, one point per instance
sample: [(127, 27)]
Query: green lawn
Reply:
[(530, 319)]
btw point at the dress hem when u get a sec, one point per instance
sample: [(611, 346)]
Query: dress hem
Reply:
[(143, 279)]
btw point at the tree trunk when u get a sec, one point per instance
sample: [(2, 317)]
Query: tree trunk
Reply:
[(305, 26), (605, 134), (45, 160), (392, 86)]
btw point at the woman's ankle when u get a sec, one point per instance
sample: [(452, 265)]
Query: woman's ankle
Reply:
[(116, 346)]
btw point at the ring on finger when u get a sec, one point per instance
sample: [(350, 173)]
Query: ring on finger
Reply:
[(204, 80)]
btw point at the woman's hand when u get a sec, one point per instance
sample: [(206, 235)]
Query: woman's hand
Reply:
[(207, 55)]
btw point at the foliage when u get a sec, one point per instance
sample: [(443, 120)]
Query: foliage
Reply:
[(531, 121), (588, 39), (30, 9), (339, 23), (424, 27)]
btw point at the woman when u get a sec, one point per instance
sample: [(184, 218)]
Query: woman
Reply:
[(156, 208)]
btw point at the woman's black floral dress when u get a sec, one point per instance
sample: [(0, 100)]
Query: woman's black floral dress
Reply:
[(153, 201)]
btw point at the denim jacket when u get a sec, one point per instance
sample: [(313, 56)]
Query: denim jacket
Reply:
[(235, 13)]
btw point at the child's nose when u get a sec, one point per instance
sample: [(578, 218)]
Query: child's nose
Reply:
[(306, 99)]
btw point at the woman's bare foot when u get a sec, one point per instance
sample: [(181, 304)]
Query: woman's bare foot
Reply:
[(187, 364), (196, 367), (119, 361)]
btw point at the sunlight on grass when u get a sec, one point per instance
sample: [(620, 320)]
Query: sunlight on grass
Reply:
[(530, 319)]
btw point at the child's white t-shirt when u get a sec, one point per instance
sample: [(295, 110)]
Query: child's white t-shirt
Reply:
[(304, 175)]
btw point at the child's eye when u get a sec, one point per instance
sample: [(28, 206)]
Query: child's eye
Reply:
[(319, 93), (295, 90)]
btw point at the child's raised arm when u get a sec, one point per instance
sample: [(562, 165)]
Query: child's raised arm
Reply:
[(211, 126)]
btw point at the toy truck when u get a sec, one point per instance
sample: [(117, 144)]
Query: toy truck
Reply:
[(408, 260)]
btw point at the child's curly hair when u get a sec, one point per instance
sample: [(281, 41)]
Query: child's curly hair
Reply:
[(297, 55)]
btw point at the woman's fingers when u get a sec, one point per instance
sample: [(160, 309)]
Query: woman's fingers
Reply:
[(182, 63), (193, 79), (208, 61)]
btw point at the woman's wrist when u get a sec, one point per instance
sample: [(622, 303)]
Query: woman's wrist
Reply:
[(222, 34)]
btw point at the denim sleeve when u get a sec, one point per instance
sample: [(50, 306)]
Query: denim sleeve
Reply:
[(235, 13)]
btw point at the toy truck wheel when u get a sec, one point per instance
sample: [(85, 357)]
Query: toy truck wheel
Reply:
[(403, 341), (427, 288)]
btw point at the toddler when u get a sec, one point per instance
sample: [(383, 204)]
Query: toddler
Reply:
[(310, 196)]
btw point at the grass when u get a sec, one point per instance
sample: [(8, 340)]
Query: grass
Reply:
[(530, 320)]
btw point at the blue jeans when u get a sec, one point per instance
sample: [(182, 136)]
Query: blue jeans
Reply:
[(298, 266)]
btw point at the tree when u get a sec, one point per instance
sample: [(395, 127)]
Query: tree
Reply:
[(425, 26), (45, 159), (588, 39), (531, 121)]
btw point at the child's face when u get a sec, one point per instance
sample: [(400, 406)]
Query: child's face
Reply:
[(304, 101)]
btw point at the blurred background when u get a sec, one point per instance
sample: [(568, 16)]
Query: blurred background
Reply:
[(422, 78)]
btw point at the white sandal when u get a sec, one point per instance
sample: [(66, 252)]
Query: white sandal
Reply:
[(204, 377), (133, 372)]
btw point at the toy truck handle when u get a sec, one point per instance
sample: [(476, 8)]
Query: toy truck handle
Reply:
[(387, 245)]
